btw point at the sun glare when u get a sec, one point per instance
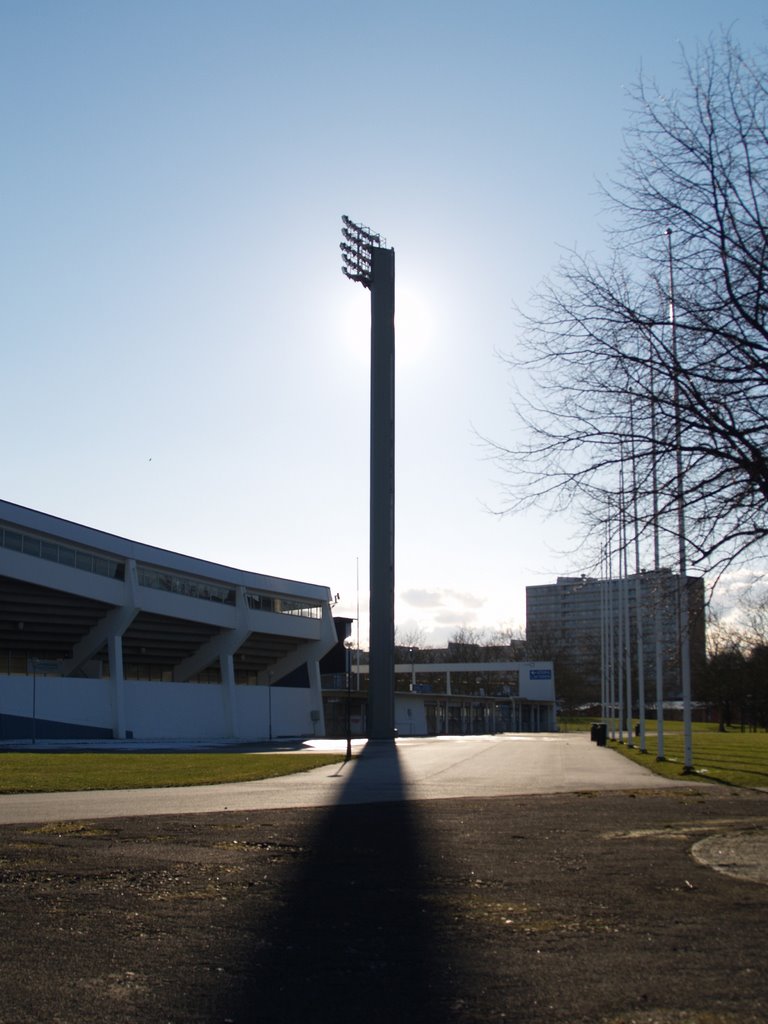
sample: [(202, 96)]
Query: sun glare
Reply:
[(414, 327)]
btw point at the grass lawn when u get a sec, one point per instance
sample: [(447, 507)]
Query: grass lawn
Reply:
[(574, 723), (30, 772), (734, 758)]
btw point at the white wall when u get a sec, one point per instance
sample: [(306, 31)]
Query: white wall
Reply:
[(174, 710), (84, 701), (537, 681), (410, 716), (290, 712), (154, 710)]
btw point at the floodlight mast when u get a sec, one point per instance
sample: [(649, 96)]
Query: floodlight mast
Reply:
[(368, 261), (356, 251)]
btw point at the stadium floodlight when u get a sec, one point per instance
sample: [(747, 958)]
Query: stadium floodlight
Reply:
[(356, 249), (368, 261)]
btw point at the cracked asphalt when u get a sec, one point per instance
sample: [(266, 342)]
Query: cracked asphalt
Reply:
[(615, 906)]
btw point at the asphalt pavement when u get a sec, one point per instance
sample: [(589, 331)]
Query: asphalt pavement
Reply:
[(528, 879), (432, 768)]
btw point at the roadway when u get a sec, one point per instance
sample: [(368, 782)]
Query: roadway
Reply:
[(434, 768)]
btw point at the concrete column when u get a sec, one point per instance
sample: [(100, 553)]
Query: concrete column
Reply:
[(117, 683), (381, 691), (316, 700), (228, 692)]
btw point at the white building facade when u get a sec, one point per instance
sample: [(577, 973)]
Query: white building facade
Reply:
[(104, 637), (451, 698)]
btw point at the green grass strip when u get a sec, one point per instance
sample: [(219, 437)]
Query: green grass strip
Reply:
[(31, 772), (733, 758)]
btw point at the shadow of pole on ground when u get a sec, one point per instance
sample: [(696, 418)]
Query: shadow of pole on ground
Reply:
[(356, 936)]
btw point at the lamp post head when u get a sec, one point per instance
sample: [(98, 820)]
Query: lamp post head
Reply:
[(356, 251)]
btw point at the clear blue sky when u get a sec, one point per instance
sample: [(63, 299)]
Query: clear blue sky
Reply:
[(184, 363)]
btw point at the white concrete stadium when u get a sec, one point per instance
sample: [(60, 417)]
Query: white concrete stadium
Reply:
[(102, 637)]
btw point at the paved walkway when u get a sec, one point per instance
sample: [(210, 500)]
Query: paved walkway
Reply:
[(477, 904), (414, 769)]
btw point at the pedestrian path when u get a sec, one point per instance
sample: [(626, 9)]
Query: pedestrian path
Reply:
[(431, 768)]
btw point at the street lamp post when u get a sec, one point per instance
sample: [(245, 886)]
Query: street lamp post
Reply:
[(368, 261), (348, 716)]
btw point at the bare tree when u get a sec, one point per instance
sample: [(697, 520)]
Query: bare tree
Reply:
[(411, 637), (608, 381), (511, 637), (468, 644)]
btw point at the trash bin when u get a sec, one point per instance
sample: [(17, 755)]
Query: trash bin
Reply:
[(602, 734), (593, 731)]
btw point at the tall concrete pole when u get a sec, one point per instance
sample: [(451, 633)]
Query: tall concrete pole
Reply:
[(381, 693), (368, 261)]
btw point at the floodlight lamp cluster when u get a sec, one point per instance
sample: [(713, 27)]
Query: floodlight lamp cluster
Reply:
[(356, 251)]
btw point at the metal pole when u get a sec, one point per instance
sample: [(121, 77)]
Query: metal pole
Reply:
[(684, 614), (657, 592), (627, 629), (348, 666), (620, 617), (611, 640), (603, 639), (640, 650)]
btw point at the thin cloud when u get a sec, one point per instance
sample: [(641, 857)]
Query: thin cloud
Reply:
[(417, 598), (465, 600), (455, 619), (422, 598)]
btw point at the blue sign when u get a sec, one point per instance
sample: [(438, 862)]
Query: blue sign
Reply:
[(541, 673)]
